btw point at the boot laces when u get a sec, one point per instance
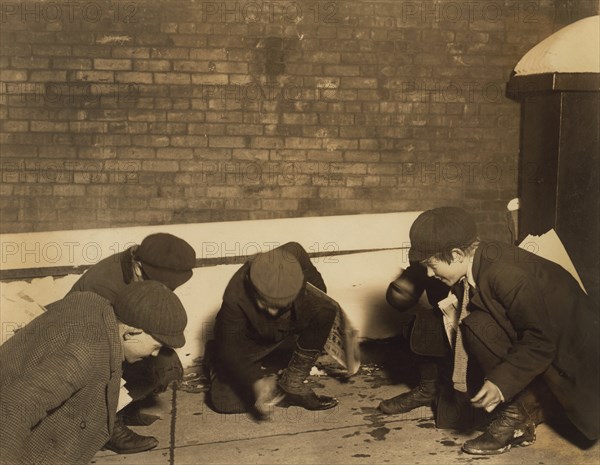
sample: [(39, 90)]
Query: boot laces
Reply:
[(509, 418)]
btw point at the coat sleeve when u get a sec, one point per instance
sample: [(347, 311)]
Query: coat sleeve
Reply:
[(26, 400), (311, 274), (234, 348), (534, 348)]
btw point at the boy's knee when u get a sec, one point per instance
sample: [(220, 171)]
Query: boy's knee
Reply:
[(223, 398)]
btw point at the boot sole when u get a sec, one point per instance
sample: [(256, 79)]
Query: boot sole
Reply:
[(292, 403), (136, 450), (404, 410), (522, 443)]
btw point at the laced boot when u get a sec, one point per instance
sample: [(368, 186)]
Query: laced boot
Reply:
[(423, 395), (125, 441), (513, 426), (292, 382)]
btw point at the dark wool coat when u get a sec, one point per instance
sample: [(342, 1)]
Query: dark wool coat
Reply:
[(108, 277), (552, 324), (60, 383), (243, 331)]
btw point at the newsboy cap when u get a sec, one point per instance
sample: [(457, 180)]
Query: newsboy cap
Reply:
[(277, 277), (155, 309), (166, 258), (441, 229)]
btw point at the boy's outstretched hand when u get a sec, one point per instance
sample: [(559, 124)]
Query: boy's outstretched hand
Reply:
[(267, 394), (488, 397)]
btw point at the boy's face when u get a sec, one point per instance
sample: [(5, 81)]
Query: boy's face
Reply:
[(139, 345), (448, 273), (274, 312)]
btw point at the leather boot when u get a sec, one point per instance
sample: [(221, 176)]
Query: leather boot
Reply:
[(513, 426), (125, 441), (423, 395), (133, 417), (292, 382)]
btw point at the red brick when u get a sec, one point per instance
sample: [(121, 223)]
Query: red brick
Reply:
[(151, 141), (112, 64), (15, 126), (71, 63), (131, 52), (160, 165), (214, 79), (230, 141), (93, 76), (279, 204), (68, 190), (30, 62), (49, 126), (45, 76), (174, 153), (51, 50), (134, 77), (209, 54), (153, 217), (169, 53), (172, 78), (152, 65)]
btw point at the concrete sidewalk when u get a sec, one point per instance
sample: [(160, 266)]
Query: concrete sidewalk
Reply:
[(354, 432)]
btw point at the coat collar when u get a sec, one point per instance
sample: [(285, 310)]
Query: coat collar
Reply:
[(476, 265), (476, 268)]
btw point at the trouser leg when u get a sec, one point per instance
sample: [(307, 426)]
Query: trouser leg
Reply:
[(487, 345), (424, 394), (315, 332), (310, 343)]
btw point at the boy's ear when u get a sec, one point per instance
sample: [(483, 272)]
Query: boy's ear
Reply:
[(458, 255), (131, 333)]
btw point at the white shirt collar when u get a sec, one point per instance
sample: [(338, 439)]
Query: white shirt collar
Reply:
[(470, 277)]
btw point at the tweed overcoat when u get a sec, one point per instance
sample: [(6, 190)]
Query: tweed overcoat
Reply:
[(60, 383)]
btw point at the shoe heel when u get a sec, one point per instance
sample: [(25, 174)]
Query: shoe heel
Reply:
[(526, 439)]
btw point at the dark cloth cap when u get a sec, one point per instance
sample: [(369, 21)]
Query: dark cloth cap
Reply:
[(155, 309), (277, 277), (441, 229), (166, 258)]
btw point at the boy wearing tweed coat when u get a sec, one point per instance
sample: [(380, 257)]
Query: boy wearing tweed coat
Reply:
[(61, 373)]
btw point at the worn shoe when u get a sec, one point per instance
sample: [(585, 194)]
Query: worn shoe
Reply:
[(512, 427), (125, 441), (423, 395), (309, 401), (292, 383)]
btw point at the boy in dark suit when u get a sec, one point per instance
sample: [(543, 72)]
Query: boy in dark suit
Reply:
[(265, 303), (403, 294), (521, 320)]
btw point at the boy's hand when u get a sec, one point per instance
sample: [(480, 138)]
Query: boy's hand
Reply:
[(402, 293), (267, 394), (488, 397)]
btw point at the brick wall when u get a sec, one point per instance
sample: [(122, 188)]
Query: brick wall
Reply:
[(156, 112)]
